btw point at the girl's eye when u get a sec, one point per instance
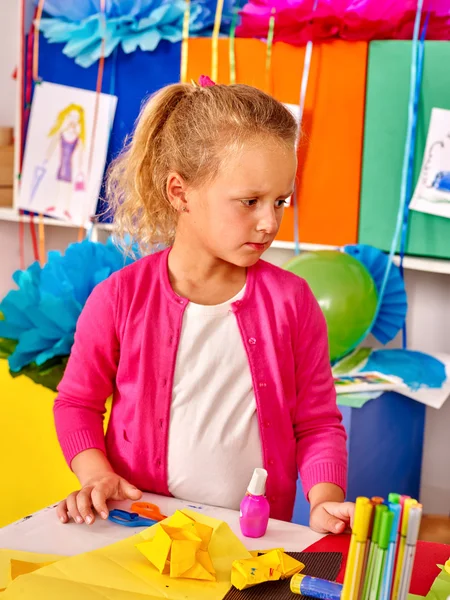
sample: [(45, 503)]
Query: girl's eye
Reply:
[(280, 203), (250, 202)]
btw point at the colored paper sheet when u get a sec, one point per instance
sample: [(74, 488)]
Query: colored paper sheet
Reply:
[(15, 562), (330, 150), (388, 80), (440, 590), (357, 400), (432, 193), (122, 572)]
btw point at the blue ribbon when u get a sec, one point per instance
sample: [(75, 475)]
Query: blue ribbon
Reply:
[(409, 151), (413, 111), (302, 101)]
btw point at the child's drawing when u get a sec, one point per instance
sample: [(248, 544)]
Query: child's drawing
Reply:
[(432, 194), (56, 179)]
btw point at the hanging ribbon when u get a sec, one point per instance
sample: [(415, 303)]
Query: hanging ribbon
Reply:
[(20, 136), (38, 17), (215, 42), (412, 108), (39, 251), (406, 155), (301, 110), (34, 240), (269, 50), (412, 152), (98, 91), (232, 43), (185, 42)]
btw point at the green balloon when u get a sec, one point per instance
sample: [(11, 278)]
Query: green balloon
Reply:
[(345, 291)]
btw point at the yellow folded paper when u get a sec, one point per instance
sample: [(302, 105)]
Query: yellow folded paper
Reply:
[(270, 566), (14, 563), (121, 572), (180, 548)]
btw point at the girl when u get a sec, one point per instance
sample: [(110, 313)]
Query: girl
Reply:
[(216, 360)]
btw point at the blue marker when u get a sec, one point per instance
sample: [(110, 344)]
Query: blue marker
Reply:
[(315, 588), (386, 585)]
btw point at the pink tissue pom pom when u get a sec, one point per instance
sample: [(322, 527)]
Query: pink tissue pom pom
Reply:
[(205, 81), (296, 22)]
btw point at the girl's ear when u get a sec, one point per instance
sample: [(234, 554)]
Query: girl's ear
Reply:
[(176, 192)]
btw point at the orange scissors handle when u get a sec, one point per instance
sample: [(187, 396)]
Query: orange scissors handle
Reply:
[(145, 509)]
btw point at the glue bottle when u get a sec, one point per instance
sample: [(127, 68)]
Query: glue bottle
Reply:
[(255, 508)]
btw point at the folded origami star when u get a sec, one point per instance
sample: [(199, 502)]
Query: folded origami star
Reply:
[(180, 548), (269, 566)]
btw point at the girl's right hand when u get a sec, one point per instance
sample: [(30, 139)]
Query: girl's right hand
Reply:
[(82, 505)]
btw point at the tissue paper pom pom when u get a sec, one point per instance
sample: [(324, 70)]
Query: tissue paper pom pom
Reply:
[(42, 314)]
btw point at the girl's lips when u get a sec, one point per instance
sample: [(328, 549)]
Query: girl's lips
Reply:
[(256, 246)]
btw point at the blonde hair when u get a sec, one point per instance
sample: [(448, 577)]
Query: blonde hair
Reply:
[(62, 116), (190, 130)]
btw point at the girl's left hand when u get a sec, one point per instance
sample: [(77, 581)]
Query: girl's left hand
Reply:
[(332, 517)]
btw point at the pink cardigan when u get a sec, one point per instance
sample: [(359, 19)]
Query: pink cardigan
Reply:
[(126, 346)]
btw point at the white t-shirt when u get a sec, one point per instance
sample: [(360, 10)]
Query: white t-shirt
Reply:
[(214, 438)]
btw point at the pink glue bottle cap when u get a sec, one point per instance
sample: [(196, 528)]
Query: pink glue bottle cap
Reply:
[(255, 508)]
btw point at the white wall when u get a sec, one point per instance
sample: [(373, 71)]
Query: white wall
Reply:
[(428, 293), (9, 41)]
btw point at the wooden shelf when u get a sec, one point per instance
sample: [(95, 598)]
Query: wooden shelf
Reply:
[(11, 214), (413, 263)]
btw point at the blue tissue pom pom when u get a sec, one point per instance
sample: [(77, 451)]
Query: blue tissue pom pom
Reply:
[(41, 315)]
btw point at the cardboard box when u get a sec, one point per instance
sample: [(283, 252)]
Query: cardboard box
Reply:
[(6, 166), (6, 197)]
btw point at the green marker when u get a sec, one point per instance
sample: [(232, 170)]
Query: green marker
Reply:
[(387, 520), (380, 509), (394, 498)]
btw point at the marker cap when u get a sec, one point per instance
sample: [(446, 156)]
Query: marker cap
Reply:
[(396, 509), (361, 524), (379, 510), (394, 498), (405, 516), (386, 526), (377, 500), (415, 517)]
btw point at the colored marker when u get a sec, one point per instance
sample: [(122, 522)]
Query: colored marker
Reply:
[(394, 498), (386, 586), (356, 555), (379, 510), (415, 517), (377, 500), (387, 519), (315, 588), (408, 503)]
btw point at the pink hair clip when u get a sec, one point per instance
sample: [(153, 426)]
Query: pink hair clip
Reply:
[(205, 81)]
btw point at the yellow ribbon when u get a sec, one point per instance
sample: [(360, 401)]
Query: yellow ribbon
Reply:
[(41, 228), (269, 49), (185, 42), (215, 42), (41, 232), (232, 44), (39, 10)]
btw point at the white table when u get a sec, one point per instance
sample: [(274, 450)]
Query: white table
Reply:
[(44, 533)]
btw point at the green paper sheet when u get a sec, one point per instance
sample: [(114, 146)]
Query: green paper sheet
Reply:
[(440, 590), (353, 362), (356, 400), (384, 140)]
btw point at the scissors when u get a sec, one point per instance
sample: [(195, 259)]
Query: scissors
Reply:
[(145, 509), (129, 519)]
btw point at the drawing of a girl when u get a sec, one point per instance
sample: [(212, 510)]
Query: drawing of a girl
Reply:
[(69, 135)]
